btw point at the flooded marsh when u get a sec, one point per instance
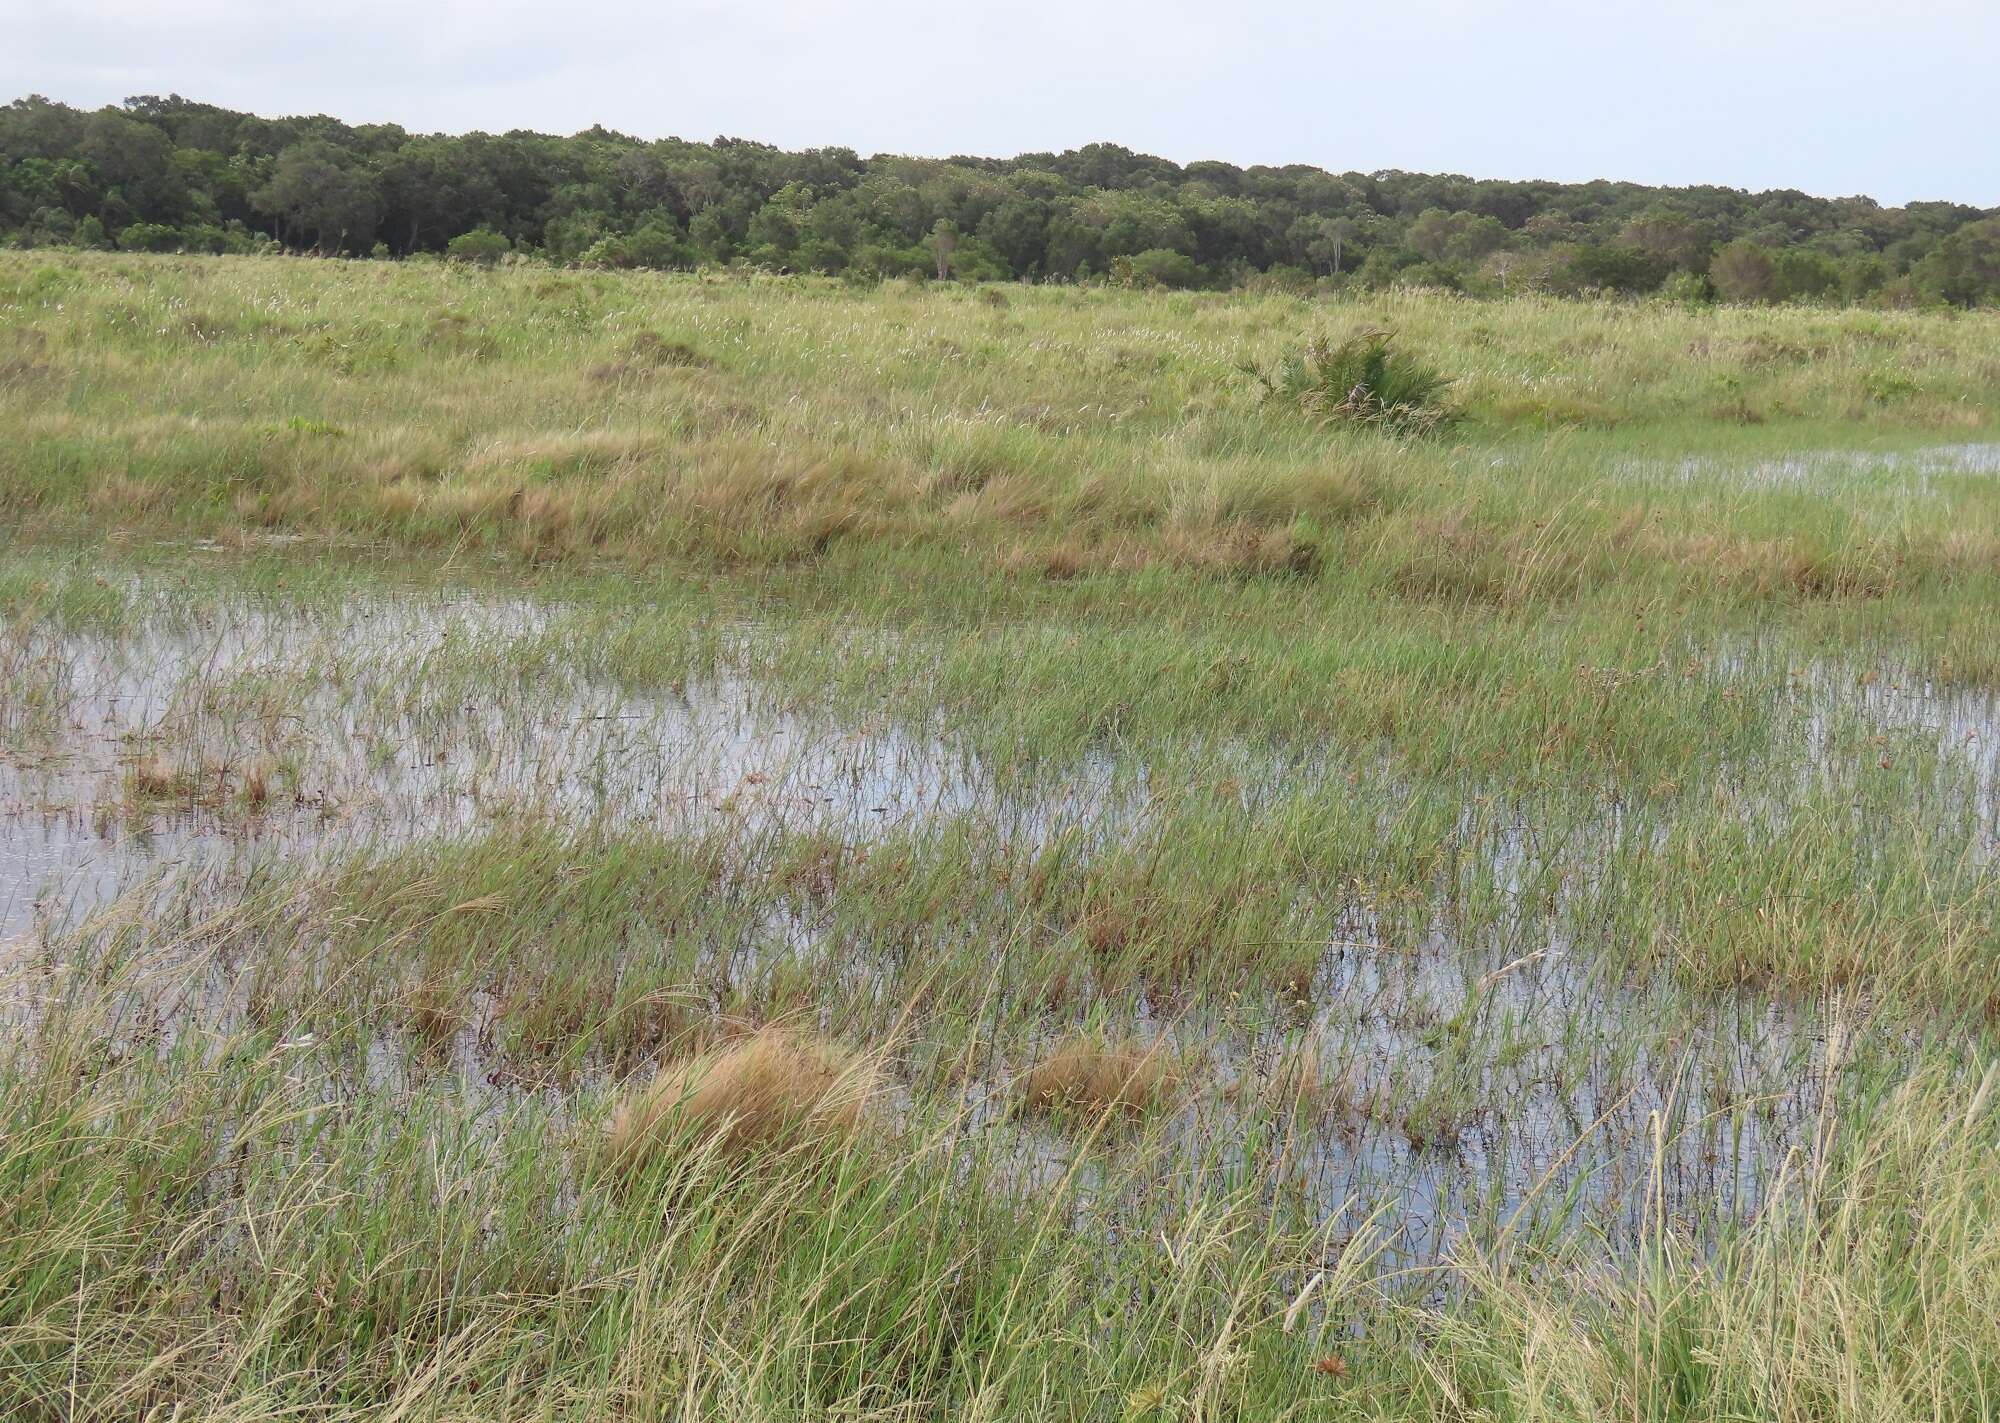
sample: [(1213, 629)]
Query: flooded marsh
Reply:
[(855, 878), (476, 866)]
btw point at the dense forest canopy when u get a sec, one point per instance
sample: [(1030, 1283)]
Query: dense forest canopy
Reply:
[(169, 174)]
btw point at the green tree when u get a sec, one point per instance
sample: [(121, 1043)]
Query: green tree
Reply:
[(432, 188), (774, 231), (1430, 235), (1018, 230), (315, 193), (1965, 268), (1134, 222), (1799, 272), (944, 244), (134, 162), (1863, 275), (1742, 271), (1673, 237), (1439, 236), (1335, 233), (709, 236)]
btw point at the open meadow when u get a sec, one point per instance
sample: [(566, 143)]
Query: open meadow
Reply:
[(590, 846)]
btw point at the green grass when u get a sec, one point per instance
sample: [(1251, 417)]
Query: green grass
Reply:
[(488, 690), (463, 412)]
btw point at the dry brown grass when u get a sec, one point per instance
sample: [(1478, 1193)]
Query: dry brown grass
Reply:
[(1792, 568), (117, 493), (256, 787), (1090, 1073), (156, 781), (776, 1087)]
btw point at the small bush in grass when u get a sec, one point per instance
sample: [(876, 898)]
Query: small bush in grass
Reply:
[(482, 247), (1363, 380), (151, 237)]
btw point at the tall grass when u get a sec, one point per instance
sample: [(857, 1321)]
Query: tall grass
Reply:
[(247, 1222), (464, 412)]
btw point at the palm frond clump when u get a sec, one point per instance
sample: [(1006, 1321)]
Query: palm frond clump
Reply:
[(1363, 380)]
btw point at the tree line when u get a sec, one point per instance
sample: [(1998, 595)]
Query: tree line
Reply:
[(156, 174)]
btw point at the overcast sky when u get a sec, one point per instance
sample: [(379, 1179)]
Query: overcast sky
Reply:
[(1899, 99)]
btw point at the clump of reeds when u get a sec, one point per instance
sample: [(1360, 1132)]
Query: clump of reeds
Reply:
[(434, 1010), (1090, 1073), (1299, 1084), (155, 780), (775, 1088)]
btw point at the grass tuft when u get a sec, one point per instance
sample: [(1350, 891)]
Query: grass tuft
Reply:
[(776, 1088), (1093, 1074)]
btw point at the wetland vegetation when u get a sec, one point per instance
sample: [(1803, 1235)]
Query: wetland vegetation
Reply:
[(582, 845)]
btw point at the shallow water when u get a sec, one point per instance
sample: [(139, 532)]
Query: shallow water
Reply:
[(388, 719), (1416, 1094), (1465, 1080), (1913, 471), (384, 720)]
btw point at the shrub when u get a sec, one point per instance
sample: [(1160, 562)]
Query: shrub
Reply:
[(481, 245), (881, 261), (1615, 269), (1158, 267), (1742, 271), (1363, 380), (649, 348), (1437, 276), (654, 245), (1687, 289), (150, 237), (206, 237)]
